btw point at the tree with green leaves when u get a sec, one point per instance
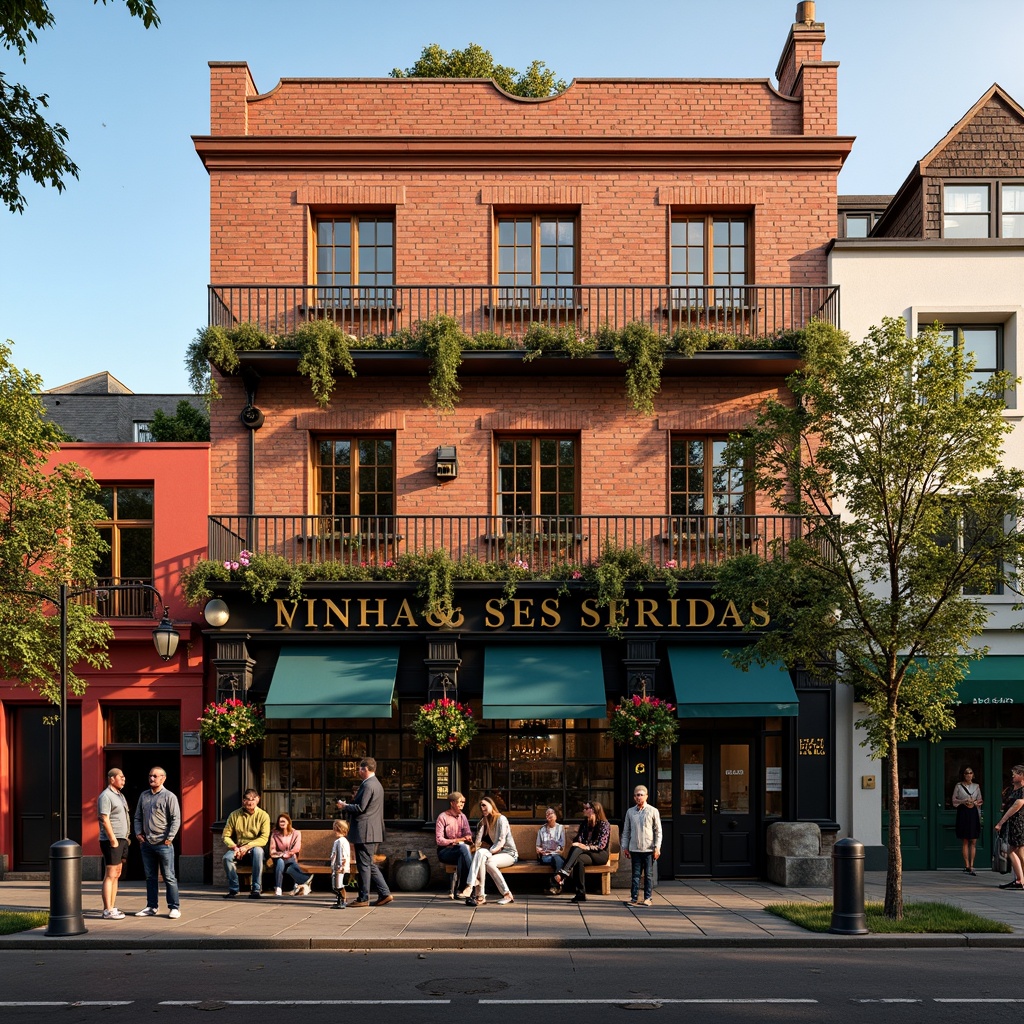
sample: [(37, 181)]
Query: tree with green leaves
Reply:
[(187, 424), (893, 454), (47, 538), (538, 80), (29, 144)]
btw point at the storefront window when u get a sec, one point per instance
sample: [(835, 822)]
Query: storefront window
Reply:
[(309, 763), (148, 726), (535, 764)]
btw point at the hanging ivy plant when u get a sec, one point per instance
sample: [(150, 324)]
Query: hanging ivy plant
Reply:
[(643, 353), (323, 349), (442, 342)]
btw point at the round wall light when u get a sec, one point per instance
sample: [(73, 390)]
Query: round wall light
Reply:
[(216, 613)]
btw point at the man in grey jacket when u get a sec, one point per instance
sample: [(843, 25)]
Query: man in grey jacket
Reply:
[(366, 811), (641, 843), (157, 820)]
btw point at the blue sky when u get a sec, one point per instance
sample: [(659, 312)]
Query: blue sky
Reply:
[(112, 273)]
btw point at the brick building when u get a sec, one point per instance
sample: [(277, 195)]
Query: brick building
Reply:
[(679, 209)]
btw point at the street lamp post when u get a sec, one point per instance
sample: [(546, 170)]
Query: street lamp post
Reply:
[(66, 855)]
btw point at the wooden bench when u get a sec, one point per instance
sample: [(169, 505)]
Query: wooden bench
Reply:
[(315, 855), (525, 838)]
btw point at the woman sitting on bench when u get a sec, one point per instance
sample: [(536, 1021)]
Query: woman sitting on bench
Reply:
[(589, 847), (495, 849)]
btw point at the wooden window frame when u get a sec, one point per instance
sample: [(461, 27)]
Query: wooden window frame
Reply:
[(126, 603), (536, 297), (375, 523), (352, 294), (536, 467), (709, 441), (709, 293)]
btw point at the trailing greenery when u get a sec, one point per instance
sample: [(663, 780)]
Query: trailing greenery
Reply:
[(437, 574), (325, 351), (917, 917), (442, 342), (444, 724), (543, 338)]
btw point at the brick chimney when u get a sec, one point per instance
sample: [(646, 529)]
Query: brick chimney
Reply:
[(230, 85), (803, 75)]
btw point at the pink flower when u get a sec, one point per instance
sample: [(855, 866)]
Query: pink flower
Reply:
[(576, 574), (671, 564)]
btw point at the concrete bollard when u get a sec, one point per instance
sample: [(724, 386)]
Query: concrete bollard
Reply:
[(66, 889), (848, 889)]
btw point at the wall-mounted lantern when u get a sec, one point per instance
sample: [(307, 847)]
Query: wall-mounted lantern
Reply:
[(447, 462)]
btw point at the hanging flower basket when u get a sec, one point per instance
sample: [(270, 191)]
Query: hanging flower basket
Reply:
[(644, 722), (232, 724), (444, 724)]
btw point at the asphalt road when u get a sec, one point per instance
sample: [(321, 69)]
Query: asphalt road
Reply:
[(718, 986)]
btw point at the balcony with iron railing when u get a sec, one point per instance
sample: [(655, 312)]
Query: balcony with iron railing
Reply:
[(539, 542), (120, 601), (742, 311)]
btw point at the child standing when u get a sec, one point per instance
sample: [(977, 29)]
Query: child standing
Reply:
[(340, 862)]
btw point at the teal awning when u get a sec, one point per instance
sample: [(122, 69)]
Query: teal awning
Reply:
[(333, 682), (543, 681), (994, 679), (708, 685)]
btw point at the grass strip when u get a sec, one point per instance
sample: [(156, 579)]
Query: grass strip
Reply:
[(917, 917), (21, 920)]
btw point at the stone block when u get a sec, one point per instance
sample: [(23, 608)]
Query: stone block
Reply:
[(800, 872), (794, 839)]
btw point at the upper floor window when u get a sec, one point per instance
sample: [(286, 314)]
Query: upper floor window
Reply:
[(537, 260), (142, 431), (355, 482), (857, 223), (984, 209), (701, 483), (985, 342), (355, 260), (710, 257), (537, 476), (128, 529)]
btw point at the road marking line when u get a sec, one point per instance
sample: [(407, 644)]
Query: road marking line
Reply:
[(978, 1000), (67, 1002), (623, 1001), (888, 1000), (304, 1002)]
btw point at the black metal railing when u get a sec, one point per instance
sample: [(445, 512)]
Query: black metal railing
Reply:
[(538, 542), (744, 311), (120, 603)]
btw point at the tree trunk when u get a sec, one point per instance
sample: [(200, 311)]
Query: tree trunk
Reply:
[(893, 907)]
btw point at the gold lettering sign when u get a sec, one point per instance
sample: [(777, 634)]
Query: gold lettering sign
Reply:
[(812, 746), (523, 614)]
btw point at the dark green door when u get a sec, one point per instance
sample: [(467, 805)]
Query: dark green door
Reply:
[(915, 827)]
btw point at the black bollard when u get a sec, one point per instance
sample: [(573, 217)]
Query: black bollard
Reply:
[(848, 889), (66, 889)]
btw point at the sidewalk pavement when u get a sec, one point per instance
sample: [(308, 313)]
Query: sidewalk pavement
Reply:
[(699, 912)]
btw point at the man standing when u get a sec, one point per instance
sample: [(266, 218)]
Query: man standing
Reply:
[(246, 834), (641, 843), (157, 820), (115, 827), (367, 813)]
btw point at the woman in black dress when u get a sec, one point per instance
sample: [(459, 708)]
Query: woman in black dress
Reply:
[(1013, 818), (967, 801)]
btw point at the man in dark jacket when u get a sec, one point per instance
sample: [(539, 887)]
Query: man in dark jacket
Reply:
[(366, 811)]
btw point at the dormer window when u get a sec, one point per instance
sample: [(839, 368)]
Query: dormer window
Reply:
[(983, 209)]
